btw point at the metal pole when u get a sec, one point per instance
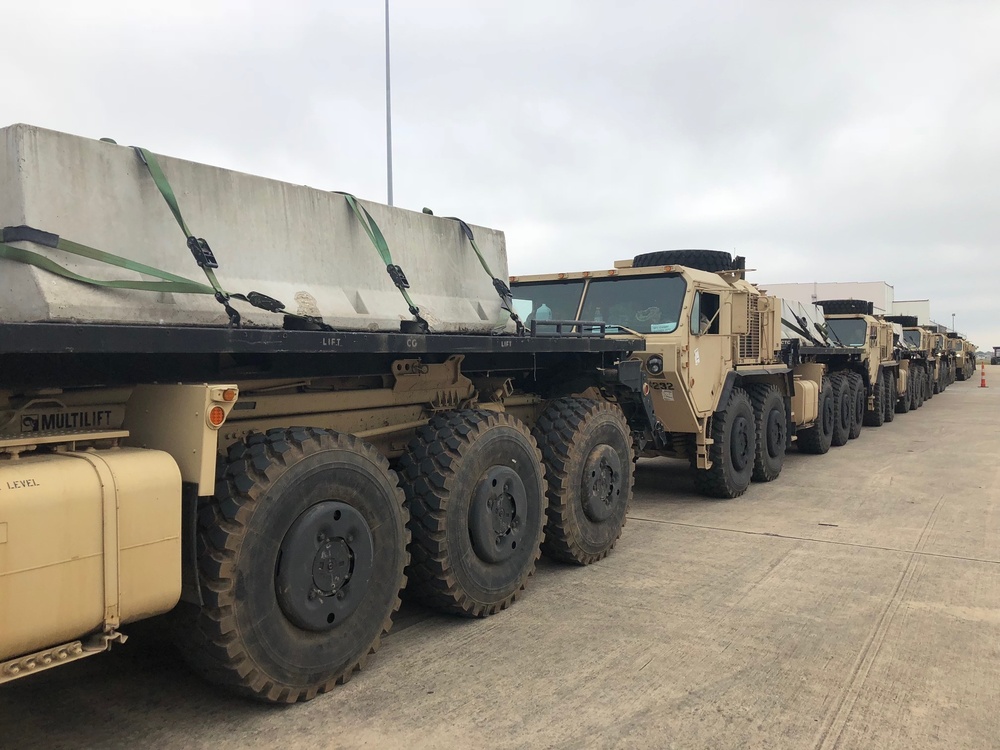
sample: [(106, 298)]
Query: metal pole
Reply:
[(388, 111), (953, 321)]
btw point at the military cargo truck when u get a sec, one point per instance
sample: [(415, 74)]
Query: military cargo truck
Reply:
[(940, 360), (919, 351), (268, 478), (965, 356), (727, 396), (995, 359), (868, 356)]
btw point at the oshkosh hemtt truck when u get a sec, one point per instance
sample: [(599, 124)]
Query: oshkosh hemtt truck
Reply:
[(929, 359), (965, 356), (727, 395), (945, 360), (282, 472), (869, 356)]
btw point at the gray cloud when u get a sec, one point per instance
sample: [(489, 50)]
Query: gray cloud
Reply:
[(826, 142)]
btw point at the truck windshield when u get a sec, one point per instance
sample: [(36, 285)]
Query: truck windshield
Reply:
[(645, 304), (547, 300), (849, 332), (912, 338)]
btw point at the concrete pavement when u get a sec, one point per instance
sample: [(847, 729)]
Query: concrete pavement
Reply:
[(853, 603)]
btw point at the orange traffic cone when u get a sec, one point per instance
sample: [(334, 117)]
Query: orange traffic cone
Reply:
[(982, 383)]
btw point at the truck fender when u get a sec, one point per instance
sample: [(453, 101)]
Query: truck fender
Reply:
[(190, 580), (732, 378)]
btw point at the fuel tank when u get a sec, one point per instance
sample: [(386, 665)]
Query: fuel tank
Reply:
[(88, 540)]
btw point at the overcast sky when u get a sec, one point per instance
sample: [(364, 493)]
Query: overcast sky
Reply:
[(838, 141)]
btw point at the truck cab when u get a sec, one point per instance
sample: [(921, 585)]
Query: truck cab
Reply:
[(872, 336), (713, 343)]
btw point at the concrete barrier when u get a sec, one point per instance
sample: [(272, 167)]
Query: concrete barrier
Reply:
[(300, 245)]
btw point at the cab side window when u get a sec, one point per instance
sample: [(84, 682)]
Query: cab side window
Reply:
[(696, 314), (705, 313)]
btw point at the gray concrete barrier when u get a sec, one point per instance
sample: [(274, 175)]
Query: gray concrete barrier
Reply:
[(300, 245)]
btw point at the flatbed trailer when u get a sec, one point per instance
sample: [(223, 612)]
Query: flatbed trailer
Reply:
[(274, 490), (117, 353)]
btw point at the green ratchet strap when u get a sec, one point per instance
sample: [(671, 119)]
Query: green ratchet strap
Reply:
[(378, 240), (202, 253), (205, 258), (169, 282), (506, 296)]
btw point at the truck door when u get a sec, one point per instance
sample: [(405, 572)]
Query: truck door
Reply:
[(709, 352)]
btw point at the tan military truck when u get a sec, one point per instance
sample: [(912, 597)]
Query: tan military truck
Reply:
[(918, 353), (938, 361), (726, 395), (868, 356), (965, 356), (995, 359), (270, 478), (945, 359)]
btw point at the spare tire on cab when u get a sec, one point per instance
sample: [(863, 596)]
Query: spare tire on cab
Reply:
[(702, 260)]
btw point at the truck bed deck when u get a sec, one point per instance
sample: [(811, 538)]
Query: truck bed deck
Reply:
[(38, 352), (70, 338)]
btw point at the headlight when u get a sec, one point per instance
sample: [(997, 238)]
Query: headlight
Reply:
[(654, 365)]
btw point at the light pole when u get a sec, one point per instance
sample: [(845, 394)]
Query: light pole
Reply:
[(388, 111)]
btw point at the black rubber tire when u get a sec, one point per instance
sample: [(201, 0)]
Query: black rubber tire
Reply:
[(772, 431), (929, 385), (703, 260), (903, 402), (818, 438), (732, 454), (876, 417), (444, 467), (858, 404), (241, 637), (912, 389), (918, 385), (572, 434), (889, 402), (842, 407)]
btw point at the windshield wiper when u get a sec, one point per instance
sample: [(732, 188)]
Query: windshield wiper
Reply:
[(831, 332)]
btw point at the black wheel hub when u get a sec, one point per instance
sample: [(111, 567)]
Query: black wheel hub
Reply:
[(828, 415), (324, 566), (740, 442), (600, 485), (775, 433), (497, 513)]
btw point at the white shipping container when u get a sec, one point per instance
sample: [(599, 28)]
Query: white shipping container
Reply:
[(921, 308)]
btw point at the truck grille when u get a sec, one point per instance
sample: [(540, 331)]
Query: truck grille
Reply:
[(749, 344)]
